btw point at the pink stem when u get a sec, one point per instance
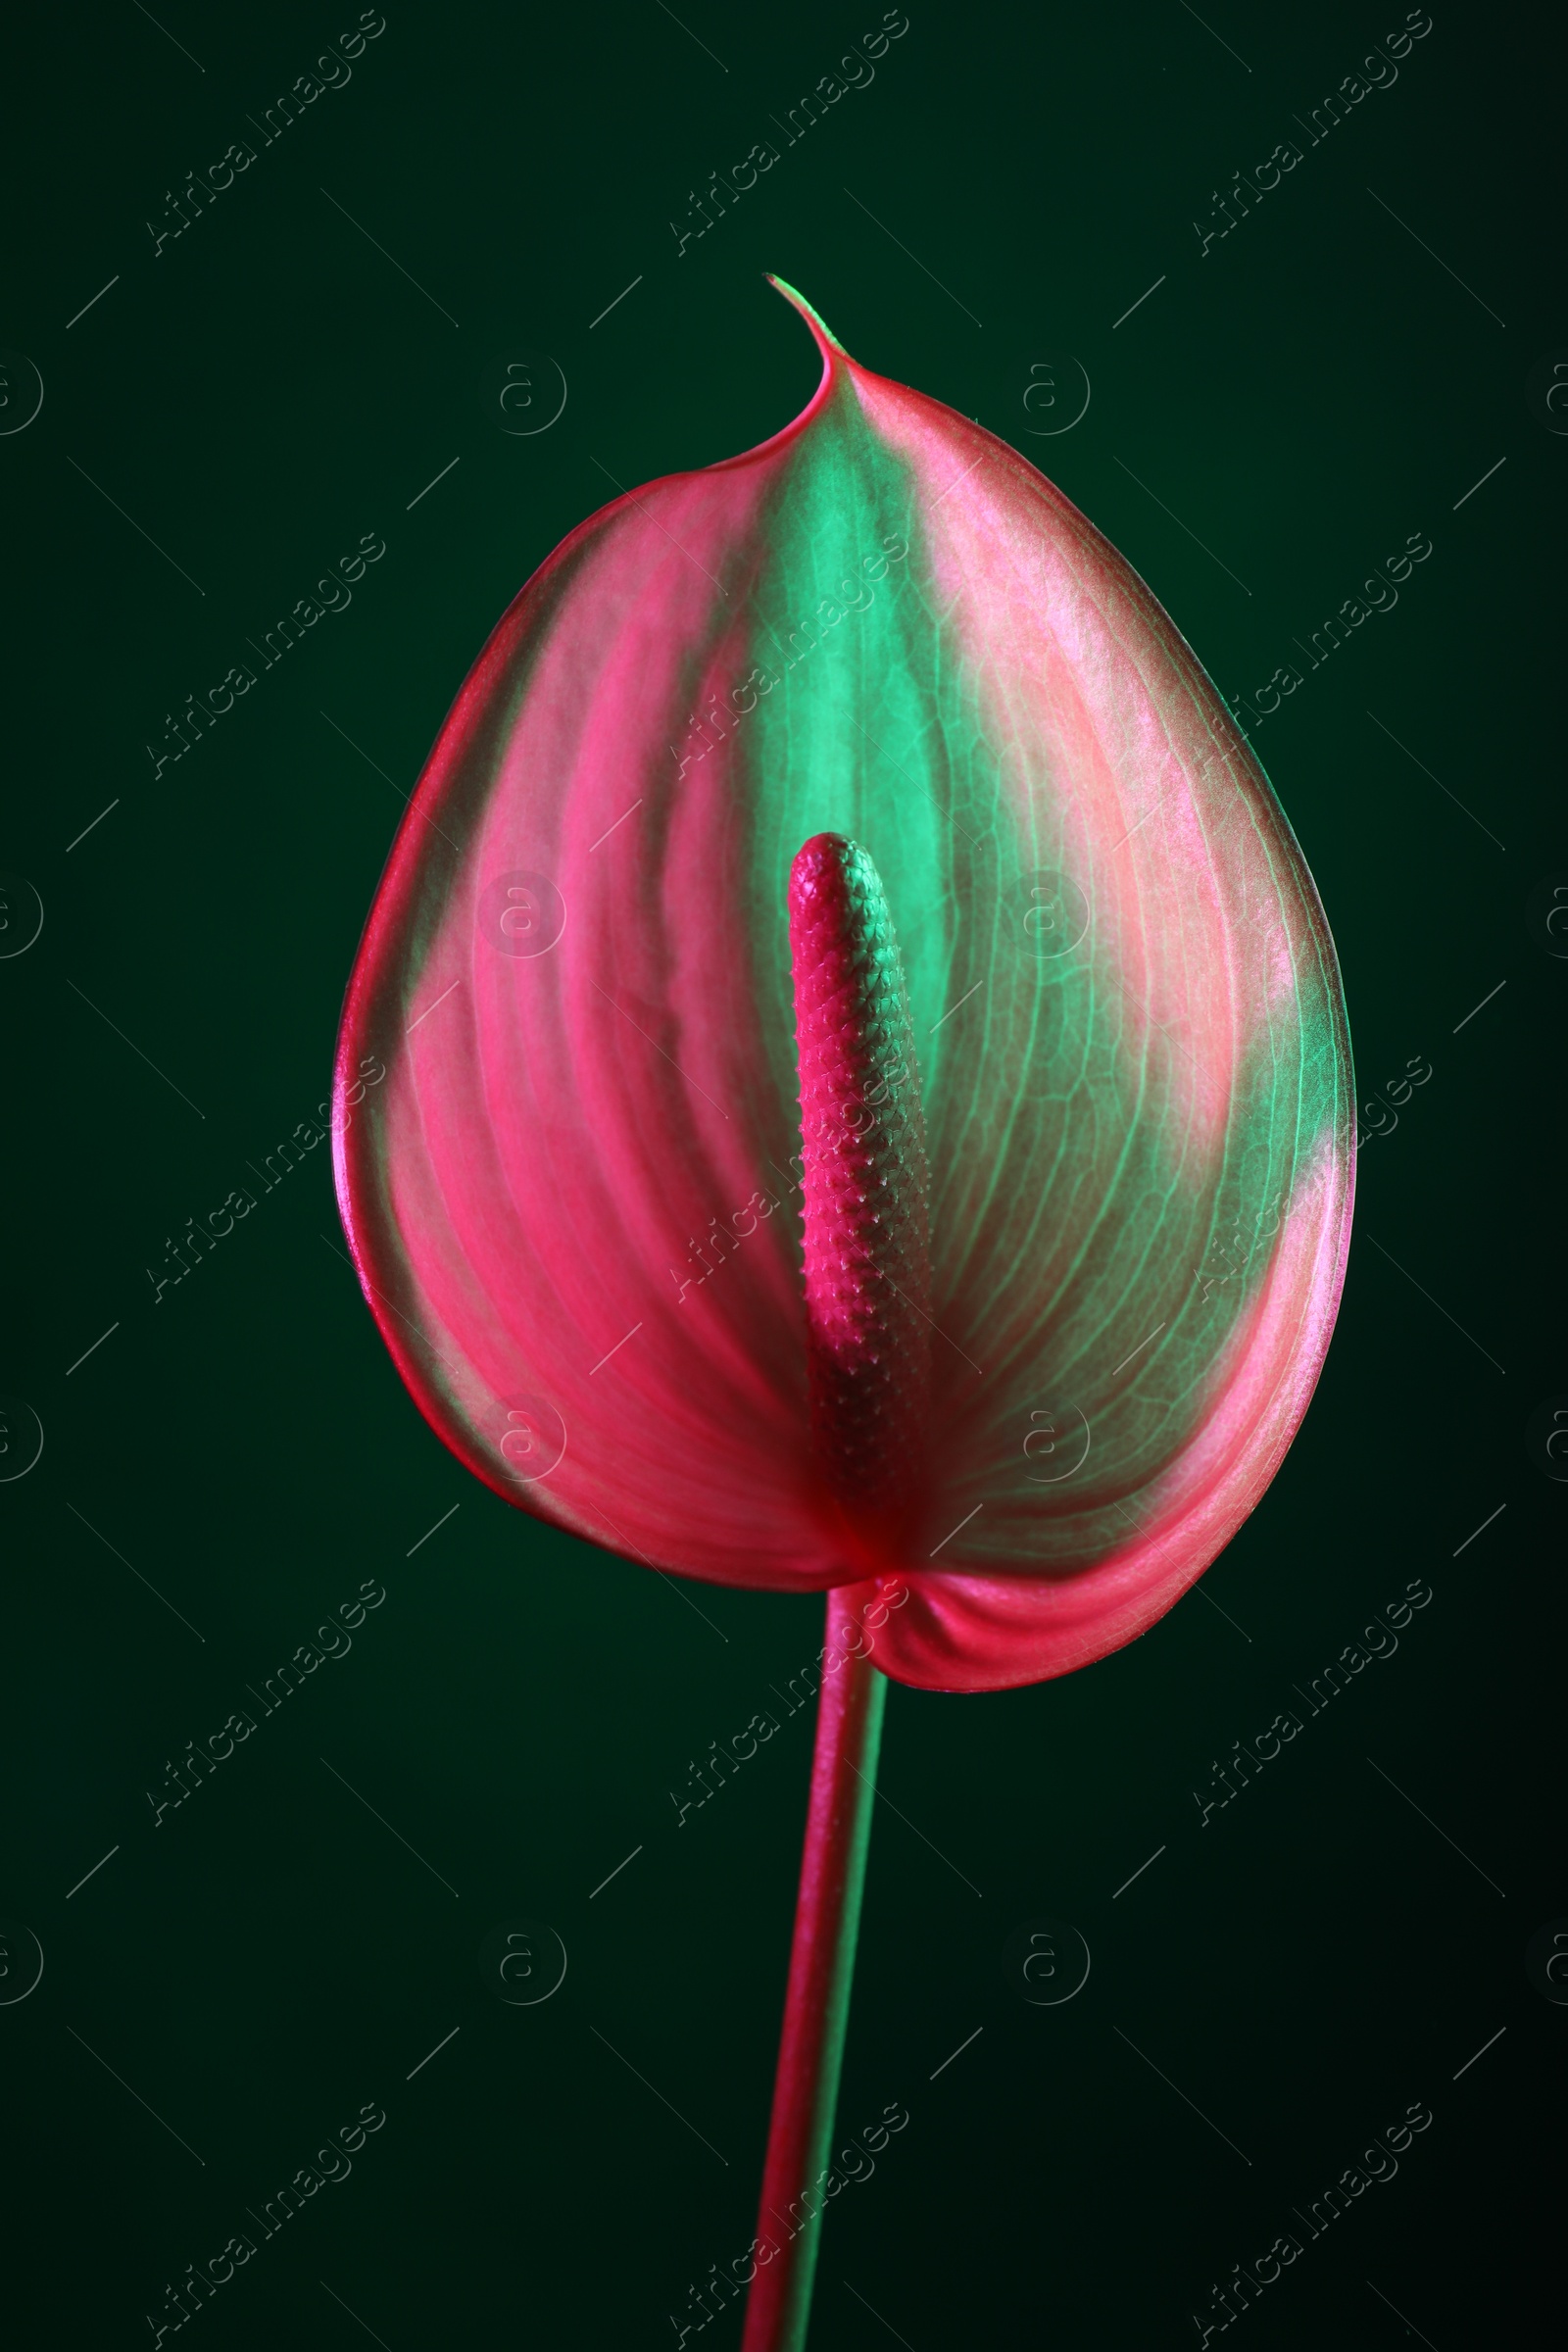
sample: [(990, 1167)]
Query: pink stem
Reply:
[(817, 2006)]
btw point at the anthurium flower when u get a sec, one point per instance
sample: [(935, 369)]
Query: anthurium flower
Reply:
[(576, 1203), (868, 1099)]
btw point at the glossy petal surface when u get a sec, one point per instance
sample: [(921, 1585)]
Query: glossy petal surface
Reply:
[(574, 1203)]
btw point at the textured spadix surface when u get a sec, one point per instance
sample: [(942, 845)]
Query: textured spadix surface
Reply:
[(575, 1201), (864, 1187)]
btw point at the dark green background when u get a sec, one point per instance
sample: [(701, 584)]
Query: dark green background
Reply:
[(260, 394)]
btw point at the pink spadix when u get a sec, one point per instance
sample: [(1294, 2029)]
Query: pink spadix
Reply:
[(868, 1257)]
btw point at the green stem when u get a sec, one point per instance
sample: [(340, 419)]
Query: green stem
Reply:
[(817, 2005)]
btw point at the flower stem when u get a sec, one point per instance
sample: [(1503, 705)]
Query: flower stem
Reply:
[(817, 2005)]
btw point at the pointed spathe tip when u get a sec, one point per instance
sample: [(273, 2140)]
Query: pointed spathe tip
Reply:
[(827, 340)]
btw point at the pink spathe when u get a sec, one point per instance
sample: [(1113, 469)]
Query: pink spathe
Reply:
[(576, 1203)]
